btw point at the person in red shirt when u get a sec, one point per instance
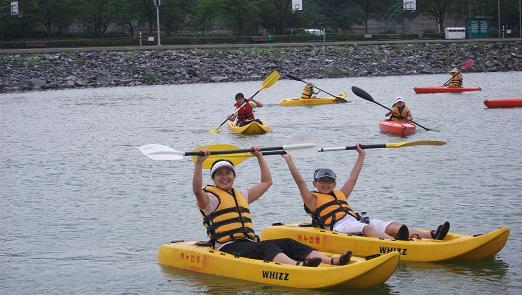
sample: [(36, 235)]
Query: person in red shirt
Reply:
[(245, 114)]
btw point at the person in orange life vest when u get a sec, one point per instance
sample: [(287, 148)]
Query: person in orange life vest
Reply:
[(456, 78), (308, 91), (245, 114), (229, 223), (399, 110), (330, 209)]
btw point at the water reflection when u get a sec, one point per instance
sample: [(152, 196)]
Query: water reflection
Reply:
[(491, 269), (208, 284)]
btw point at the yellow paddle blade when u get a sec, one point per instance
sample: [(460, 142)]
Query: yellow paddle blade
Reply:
[(214, 130), (415, 143), (270, 80), (235, 158)]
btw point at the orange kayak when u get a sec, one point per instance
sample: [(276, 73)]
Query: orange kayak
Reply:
[(397, 127), (503, 103), (444, 89)]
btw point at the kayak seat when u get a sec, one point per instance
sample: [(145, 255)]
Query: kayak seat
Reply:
[(277, 224)]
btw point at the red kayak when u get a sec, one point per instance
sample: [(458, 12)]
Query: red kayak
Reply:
[(444, 89), (503, 103), (397, 127)]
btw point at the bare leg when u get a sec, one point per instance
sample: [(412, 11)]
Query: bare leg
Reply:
[(372, 232), (393, 228), (283, 259), (422, 234)]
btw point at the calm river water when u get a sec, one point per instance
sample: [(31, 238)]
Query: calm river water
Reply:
[(84, 212)]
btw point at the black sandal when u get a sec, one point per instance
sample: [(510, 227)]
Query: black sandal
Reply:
[(311, 262), (442, 231), (343, 259)]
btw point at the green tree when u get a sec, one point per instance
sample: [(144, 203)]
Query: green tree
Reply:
[(176, 14), (206, 12), (436, 9), (242, 16), (97, 15)]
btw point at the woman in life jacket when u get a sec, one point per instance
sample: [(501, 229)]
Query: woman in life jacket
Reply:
[(329, 206), (245, 113), (456, 78), (228, 221), (308, 91), (399, 110)]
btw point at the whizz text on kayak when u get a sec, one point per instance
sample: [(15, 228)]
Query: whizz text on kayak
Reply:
[(275, 275), (401, 251)]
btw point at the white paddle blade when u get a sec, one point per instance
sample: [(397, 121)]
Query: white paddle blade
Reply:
[(161, 152), (301, 150), (301, 146)]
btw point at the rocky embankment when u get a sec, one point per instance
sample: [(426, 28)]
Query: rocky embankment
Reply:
[(20, 72)]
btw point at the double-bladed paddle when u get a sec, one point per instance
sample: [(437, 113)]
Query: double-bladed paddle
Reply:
[(465, 66), (364, 95), (337, 98), (226, 151), (373, 146), (269, 81)]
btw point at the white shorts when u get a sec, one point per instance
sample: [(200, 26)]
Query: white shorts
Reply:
[(350, 225)]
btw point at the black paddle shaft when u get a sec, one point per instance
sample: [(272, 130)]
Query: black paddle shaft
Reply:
[(301, 80), (232, 151), (365, 95)]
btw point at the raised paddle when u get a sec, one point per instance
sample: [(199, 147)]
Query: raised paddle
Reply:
[(465, 66), (223, 151), (364, 95), (269, 81), (373, 146), (337, 98)]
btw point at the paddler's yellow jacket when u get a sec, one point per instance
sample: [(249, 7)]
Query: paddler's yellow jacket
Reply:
[(330, 208), (456, 81), (404, 111), (231, 220)]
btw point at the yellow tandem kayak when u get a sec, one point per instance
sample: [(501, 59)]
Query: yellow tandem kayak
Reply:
[(313, 101), (453, 247), (358, 273), (252, 128)]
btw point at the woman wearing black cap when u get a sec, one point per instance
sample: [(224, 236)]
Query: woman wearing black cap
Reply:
[(329, 206), (229, 223)]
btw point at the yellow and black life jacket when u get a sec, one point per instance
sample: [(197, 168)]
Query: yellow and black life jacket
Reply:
[(330, 208), (398, 111), (231, 220), (307, 92), (456, 80)]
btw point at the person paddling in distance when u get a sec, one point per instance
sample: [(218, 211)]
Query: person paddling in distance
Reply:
[(308, 91), (329, 206), (399, 110), (245, 114), (456, 78), (229, 222)]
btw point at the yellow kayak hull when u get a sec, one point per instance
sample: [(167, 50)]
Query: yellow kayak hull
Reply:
[(358, 273), (252, 128), (289, 102), (453, 247)]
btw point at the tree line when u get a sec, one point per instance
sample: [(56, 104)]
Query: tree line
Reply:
[(93, 18)]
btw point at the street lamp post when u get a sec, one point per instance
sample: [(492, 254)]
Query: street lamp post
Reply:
[(157, 3), (498, 9)]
